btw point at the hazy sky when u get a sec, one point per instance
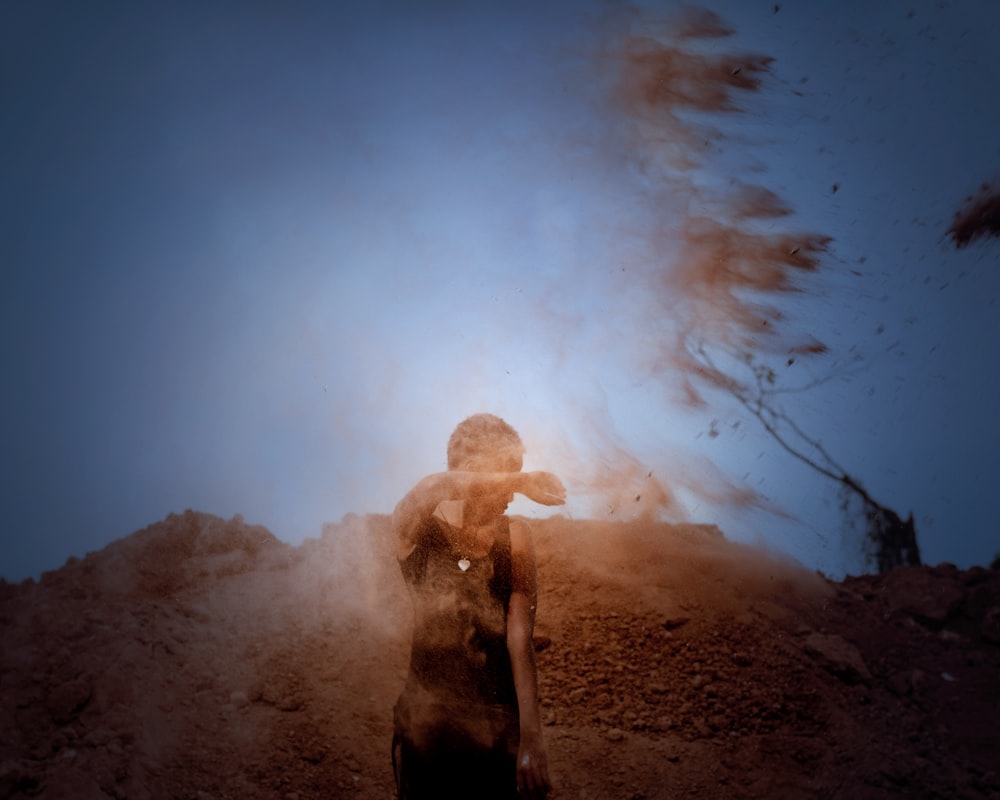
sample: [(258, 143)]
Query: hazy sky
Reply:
[(261, 258)]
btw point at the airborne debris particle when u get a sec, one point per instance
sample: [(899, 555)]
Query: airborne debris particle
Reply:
[(979, 218)]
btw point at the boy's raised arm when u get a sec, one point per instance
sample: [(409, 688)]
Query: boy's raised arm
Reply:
[(423, 499), (417, 506)]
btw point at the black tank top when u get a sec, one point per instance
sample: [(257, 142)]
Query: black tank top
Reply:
[(459, 654)]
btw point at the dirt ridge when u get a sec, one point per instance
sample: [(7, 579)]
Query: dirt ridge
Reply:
[(204, 658)]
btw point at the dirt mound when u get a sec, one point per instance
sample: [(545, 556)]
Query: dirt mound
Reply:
[(203, 658)]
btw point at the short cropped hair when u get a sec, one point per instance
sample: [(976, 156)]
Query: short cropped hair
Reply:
[(484, 438)]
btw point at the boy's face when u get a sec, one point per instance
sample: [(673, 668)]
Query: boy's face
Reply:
[(487, 506)]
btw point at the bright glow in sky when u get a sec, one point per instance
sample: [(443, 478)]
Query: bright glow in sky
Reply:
[(262, 258)]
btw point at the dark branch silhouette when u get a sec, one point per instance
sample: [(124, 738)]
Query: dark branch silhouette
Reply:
[(891, 540)]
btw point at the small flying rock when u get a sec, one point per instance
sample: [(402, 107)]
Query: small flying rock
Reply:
[(777, 7), (737, 70), (791, 361), (835, 187), (794, 251)]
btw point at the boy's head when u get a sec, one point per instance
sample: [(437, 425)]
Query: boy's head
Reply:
[(485, 443)]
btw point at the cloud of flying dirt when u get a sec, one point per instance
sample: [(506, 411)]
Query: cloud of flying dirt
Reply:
[(669, 567), (710, 255), (722, 283)]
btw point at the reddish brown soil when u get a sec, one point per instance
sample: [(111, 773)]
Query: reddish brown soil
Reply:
[(204, 659)]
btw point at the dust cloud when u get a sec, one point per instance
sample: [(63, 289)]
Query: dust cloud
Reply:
[(670, 569), (721, 285), (708, 255)]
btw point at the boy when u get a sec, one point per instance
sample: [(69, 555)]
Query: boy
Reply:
[(467, 722)]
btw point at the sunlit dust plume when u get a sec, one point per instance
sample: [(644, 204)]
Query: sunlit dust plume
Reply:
[(710, 254)]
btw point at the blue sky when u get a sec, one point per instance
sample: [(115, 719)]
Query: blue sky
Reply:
[(261, 259)]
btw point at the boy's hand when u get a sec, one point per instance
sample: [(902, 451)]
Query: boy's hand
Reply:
[(542, 487), (532, 771)]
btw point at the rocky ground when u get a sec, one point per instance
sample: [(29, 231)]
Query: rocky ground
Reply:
[(202, 658)]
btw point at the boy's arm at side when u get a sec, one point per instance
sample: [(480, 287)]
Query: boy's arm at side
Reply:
[(532, 761)]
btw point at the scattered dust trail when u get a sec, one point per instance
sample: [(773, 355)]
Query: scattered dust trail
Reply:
[(719, 281), (708, 262)]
